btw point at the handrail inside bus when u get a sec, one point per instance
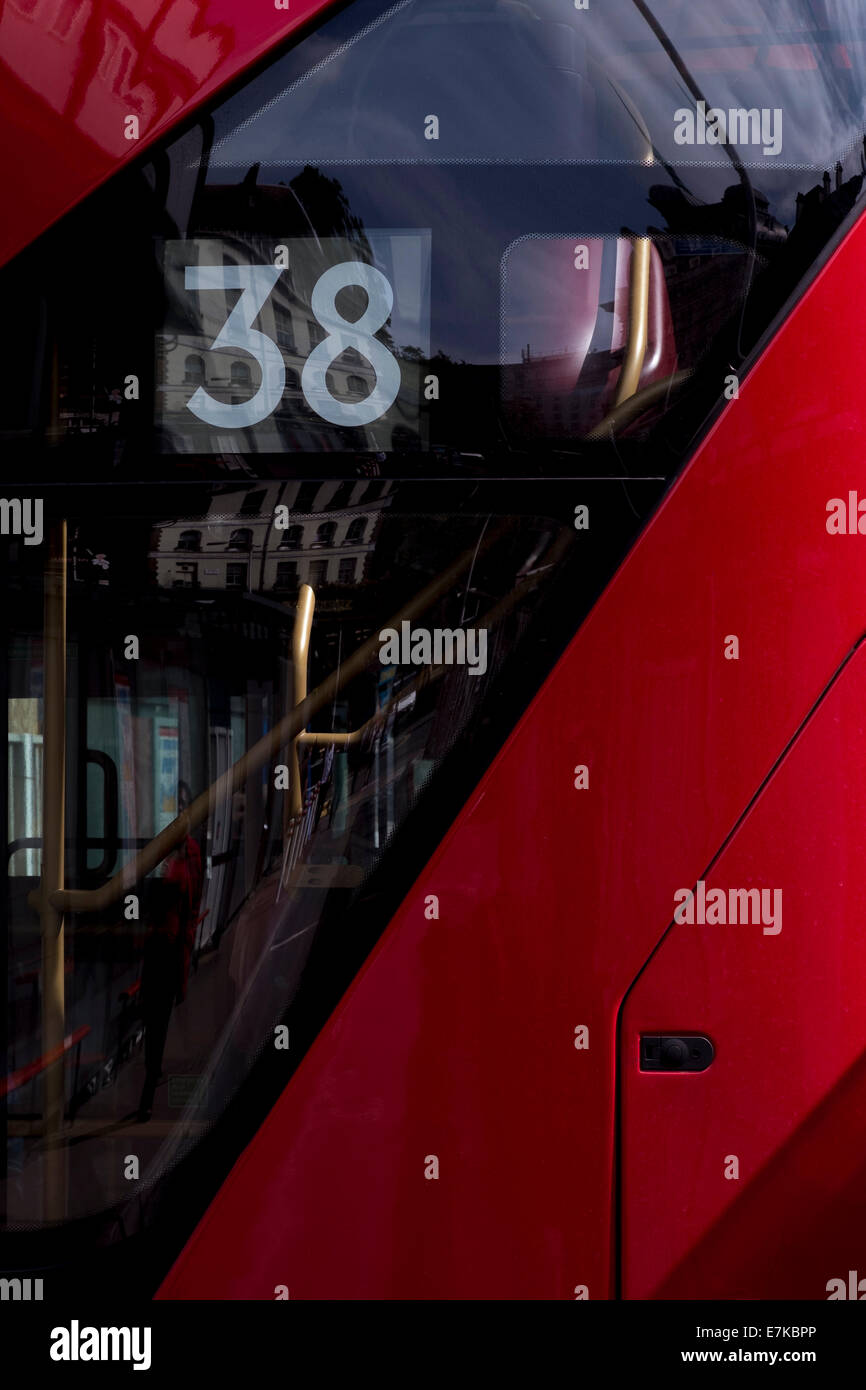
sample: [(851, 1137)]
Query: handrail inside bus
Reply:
[(289, 729), (638, 319), (20, 1077)]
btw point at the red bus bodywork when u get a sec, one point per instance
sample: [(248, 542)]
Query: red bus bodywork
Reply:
[(565, 1168)]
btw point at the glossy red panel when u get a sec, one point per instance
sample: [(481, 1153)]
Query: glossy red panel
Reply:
[(785, 1007), (457, 1039), (70, 73)]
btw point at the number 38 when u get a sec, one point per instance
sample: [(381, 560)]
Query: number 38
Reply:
[(256, 283)]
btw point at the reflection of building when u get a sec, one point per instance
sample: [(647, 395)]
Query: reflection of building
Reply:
[(187, 360), (187, 363), (558, 394), (238, 545)]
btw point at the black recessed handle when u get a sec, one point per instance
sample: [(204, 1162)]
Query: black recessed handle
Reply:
[(675, 1052), (110, 842)]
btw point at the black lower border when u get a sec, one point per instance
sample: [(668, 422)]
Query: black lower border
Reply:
[(268, 1340)]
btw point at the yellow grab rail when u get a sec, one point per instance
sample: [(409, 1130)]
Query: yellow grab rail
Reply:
[(289, 731)]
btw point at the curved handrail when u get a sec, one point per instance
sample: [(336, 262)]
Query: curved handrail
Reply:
[(20, 1077), (288, 729)]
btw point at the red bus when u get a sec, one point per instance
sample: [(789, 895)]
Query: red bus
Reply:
[(436, 783)]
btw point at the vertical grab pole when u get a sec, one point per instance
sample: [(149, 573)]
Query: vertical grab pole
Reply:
[(54, 1160), (300, 658), (638, 319)]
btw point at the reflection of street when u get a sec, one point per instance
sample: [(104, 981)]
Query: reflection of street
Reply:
[(174, 725), (238, 992)]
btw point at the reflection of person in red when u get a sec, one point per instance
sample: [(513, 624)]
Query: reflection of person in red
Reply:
[(167, 952)]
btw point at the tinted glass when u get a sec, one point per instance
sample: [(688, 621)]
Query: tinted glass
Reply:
[(448, 237)]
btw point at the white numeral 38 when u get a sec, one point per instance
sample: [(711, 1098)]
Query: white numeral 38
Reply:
[(256, 283)]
